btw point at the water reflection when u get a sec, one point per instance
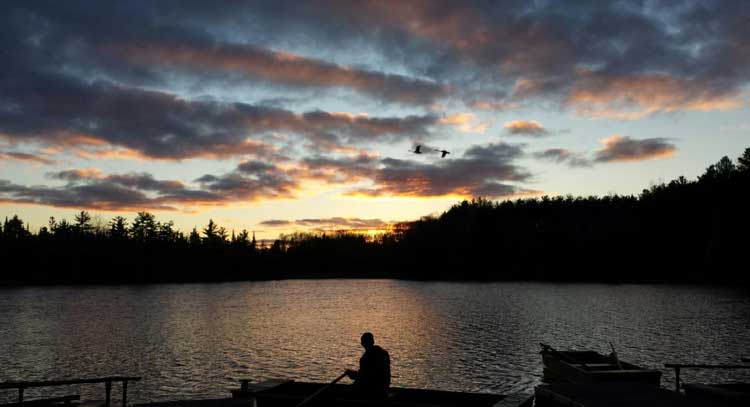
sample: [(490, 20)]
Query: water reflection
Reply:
[(197, 340)]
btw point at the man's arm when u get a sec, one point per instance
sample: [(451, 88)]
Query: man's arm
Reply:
[(352, 374)]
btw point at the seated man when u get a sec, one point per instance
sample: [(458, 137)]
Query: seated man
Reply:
[(374, 376)]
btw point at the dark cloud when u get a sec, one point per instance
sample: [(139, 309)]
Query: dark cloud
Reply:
[(616, 148), (482, 171), (561, 155), (63, 85), (250, 181), (18, 156), (66, 110), (90, 189), (139, 181), (598, 58), (621, 148), (338, 169), (92, 195), (283, 68), (76, 174)]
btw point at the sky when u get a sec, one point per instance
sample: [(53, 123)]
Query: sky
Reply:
[(280, 116)]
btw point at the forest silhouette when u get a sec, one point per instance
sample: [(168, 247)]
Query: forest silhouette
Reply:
[(688, 231)]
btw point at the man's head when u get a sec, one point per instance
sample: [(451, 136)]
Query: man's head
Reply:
[(368, 341)]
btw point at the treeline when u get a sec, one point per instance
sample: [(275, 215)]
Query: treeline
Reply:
[(142, 251), (681, 231)]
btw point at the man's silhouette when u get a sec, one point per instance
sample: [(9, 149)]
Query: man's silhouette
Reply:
[(374, 376)]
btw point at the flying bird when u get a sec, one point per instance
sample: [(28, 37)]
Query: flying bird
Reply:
[(444, 153), (416, 149)]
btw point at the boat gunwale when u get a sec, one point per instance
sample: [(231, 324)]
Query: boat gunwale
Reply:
[(431, 397)]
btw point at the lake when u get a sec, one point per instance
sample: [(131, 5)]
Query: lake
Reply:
[(197, 340)]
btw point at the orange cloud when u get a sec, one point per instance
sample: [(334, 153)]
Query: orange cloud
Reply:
[(525, 127), (637, 96), (465, 122), (492, 104), (327, 224)]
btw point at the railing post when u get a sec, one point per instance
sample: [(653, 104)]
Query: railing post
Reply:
[(108, 392), (677, 378), (124, 393), (20, 394)]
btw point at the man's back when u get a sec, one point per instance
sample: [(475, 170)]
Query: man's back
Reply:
[(374, 376)]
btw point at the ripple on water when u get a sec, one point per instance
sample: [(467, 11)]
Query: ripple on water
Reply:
[(198, 340)]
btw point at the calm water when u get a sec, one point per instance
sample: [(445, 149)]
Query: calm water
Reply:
[(197, 340)]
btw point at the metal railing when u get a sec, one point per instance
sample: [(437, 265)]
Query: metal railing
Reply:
[(21, 386)]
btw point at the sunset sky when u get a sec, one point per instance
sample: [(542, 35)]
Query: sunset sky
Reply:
[(277, 116)]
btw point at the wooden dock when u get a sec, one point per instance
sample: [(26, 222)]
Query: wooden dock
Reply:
[(21, 387), (240, 397)]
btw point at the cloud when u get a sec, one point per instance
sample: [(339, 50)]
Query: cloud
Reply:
[(276, 223), (77, 174), (530, 128), (483, 170), (135, 81), (163, 126), (329, 224), (91, 195), (465, 122), (561, 155), (499, 105), (601, 58), (337, 169), (89, 188), (250, 181), (617, 148), (637, 96), (283, 68), (620, 148), (26, 157)]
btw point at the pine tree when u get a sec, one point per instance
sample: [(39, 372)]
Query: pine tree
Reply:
[(118, 228), (14, 228), (83, 223), (743, 162), (725, 167), (167, 232), (215, 235), (144, 227), (194, 239)]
